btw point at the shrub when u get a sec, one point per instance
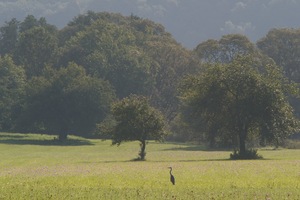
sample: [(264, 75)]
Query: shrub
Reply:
[(249, 154), (292, 144)]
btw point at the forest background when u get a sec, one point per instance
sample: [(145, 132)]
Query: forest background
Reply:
[(63, 80)]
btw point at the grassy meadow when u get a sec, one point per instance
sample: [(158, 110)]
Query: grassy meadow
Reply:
[(38, 167)]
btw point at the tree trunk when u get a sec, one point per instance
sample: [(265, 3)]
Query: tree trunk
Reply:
[(242, 143), (242, 139), (212, 143), (62, 136), (212, 137), (142, 153)]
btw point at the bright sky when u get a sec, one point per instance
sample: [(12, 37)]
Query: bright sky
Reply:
[(189, 21)]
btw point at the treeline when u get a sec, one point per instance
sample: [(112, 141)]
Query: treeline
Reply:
[(64, 81)]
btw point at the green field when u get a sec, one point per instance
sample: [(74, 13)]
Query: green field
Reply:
[(37, 167)]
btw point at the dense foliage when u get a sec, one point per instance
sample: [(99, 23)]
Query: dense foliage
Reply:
[(112, 56), (239, 100), (135, 119), (65, 101), (62, 81), (12, 85)]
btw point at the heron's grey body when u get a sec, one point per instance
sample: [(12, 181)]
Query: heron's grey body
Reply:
[(172, 178)]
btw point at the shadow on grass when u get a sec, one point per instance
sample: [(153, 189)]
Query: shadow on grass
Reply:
[(180, 161), (187, 147), (225, 159), (12, 136), (26, 140), (194, 160), (69, 142)]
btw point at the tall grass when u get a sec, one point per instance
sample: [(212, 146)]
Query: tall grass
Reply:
[(41, 168)]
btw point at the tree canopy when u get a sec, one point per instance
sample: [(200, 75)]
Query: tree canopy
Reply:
[(224, 50), (137, 120), (12, 84), (66, 101), (283, 46), (241, 99), (63, 80), (118, 51)]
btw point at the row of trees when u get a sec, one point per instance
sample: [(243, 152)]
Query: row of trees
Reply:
[(71, 76), (64, 81)]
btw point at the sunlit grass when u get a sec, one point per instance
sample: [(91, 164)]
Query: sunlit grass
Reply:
[(93, 169)]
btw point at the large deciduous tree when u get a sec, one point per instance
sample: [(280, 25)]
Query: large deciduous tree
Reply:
[(224, 50), (12, 85), (137, 120), (137, 56), (170, 62), (239, 99), (283, 46), (66, 101), (36, 49), (9, 36), (108, 51)]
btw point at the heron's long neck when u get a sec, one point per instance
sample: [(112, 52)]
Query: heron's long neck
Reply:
[(171, 171)]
